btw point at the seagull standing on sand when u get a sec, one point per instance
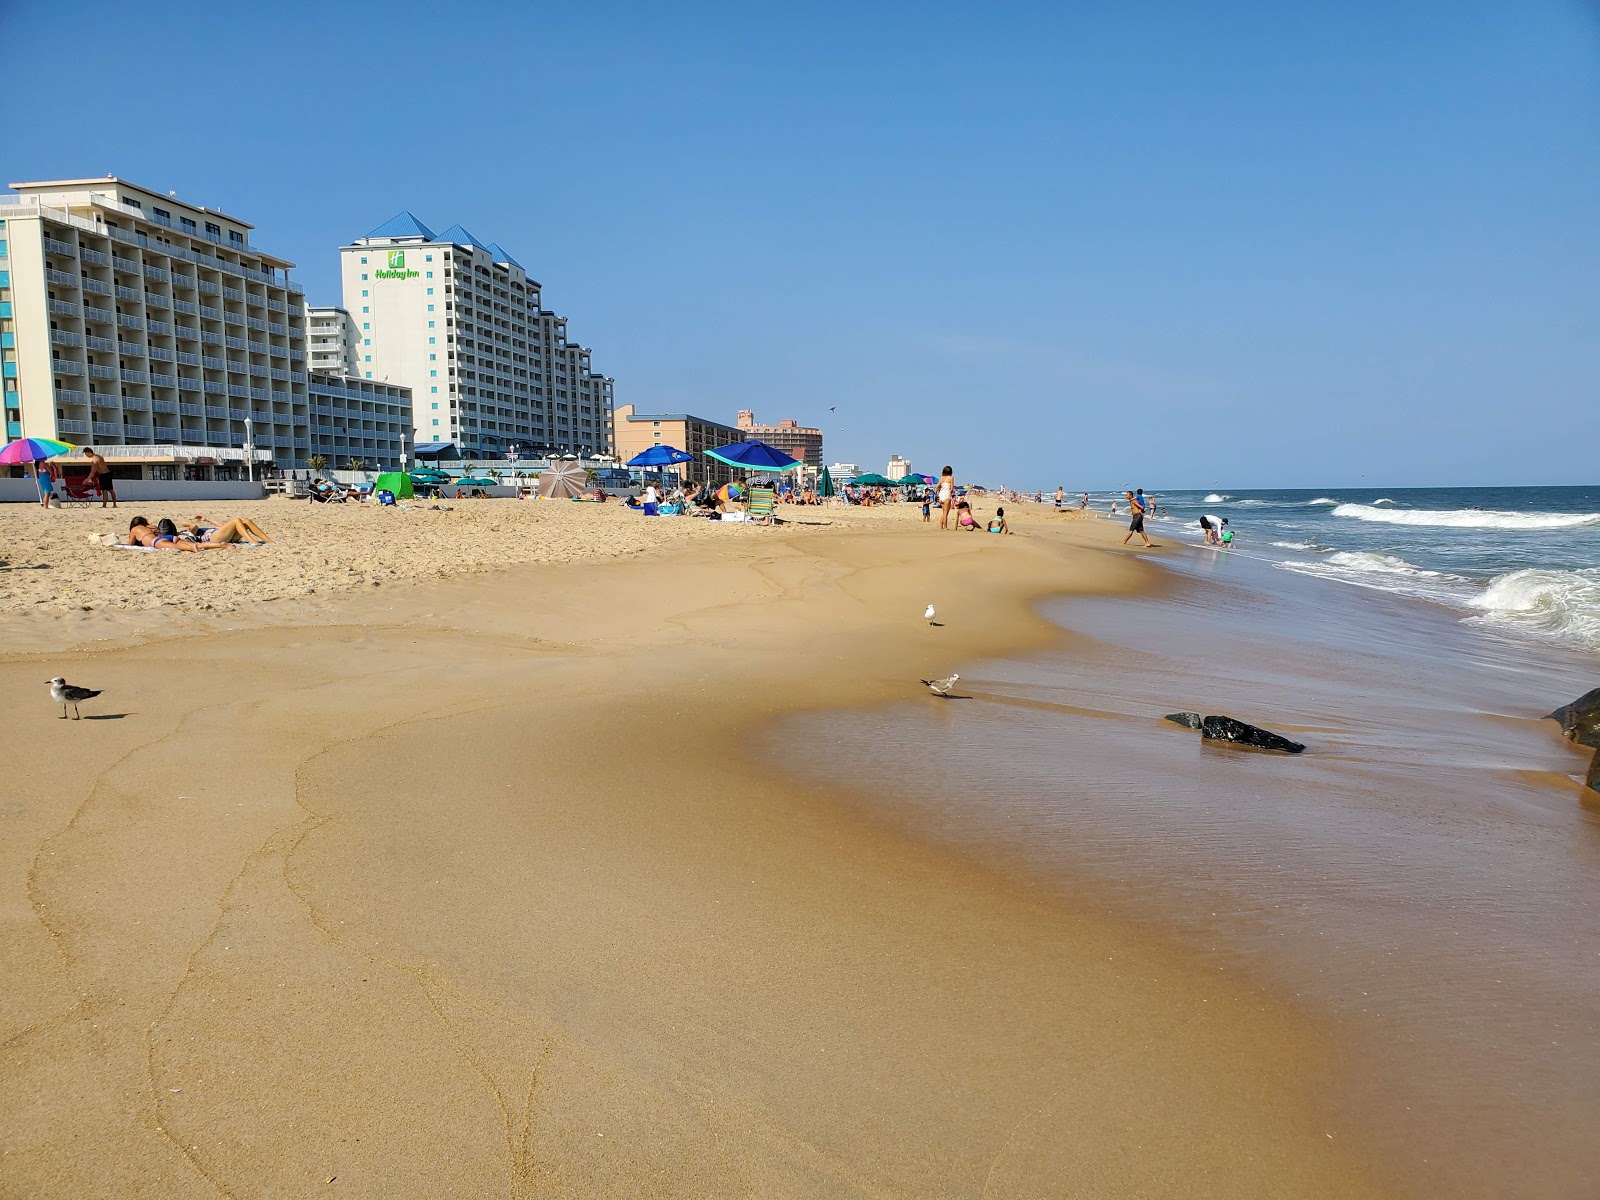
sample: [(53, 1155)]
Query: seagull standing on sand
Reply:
[(929, 614), (65, 693), (941, 687)]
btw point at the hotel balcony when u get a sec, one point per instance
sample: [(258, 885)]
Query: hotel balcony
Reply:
[(60, 278), (98, 257), (65, 366), (63, 426)]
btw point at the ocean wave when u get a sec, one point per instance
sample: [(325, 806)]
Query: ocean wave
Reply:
[(1242, 503), (1382, 572), (1214, 498), (1383, 500), (1561, 604), (1300, 546), (1323, 500), (1466, 518)]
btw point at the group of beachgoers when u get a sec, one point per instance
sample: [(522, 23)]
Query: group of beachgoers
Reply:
[(53, 485), (952, 505), (195, 535)]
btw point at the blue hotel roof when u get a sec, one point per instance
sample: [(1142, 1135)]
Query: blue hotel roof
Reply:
[(405, 225)]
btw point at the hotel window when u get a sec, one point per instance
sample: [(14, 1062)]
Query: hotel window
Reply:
[(363, 263), (432, 357), (435, 391), (363, 274), (188, 224), (369, 358), (427, 258), (366, 324), (365, 309), (236, 238), (430, 324), (366, 341), (363, 290), (430, 291), (430, 273), (430, 308), (213, 230)]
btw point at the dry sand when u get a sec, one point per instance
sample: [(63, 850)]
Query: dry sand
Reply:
[(473, 888)]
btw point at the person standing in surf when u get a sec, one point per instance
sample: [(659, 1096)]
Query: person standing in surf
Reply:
[(1136, 510)]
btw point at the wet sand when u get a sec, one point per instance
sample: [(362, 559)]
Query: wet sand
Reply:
[(1423, 878), (488, 887)]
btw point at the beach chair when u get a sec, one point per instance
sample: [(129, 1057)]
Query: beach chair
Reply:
[(79, 489), (759, 508)]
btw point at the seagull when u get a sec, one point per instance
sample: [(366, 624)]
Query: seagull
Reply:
[(929, 615), (941, 687), (64, 694)]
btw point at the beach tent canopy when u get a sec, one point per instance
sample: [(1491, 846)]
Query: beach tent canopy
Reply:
[(659, 456), (434, 450), (872, 480), (562, 481), (397, 482), (754, 456)]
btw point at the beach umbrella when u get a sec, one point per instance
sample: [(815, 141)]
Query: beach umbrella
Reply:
[(562, 481), (34, 450), (729, 491), (660, 456), (754, 456), (911, 481), (872, 480), (825, 483), (473, 481)]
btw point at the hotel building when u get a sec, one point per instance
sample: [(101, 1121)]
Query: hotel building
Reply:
[(148, 328), (898, 467), (637, 432), (331, 340), (360, 419), (798, 441), (458, 321)]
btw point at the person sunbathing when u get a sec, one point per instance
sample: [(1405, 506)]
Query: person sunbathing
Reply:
[(164, 536), (235, 529)]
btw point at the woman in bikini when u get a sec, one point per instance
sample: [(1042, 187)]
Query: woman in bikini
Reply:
[(947, 495), (164, 537), (235, 529)]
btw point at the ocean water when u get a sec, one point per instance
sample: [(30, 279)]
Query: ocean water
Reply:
[(1424, 880), (1524, 560)]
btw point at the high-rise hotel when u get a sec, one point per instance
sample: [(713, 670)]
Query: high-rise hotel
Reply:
[(458, 320), (147, 327)]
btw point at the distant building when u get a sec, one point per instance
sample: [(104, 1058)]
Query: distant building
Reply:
[(794, 439), (149, 329), (359, 418), (637, 432), (843, 473), (899, 467), (331, 339), (458, 320)]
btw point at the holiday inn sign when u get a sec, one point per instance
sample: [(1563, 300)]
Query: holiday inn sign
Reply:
[(396, 268)]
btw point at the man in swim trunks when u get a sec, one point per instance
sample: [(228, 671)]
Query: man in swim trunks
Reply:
[(1213, 528), (1136, 508), (100, 472)]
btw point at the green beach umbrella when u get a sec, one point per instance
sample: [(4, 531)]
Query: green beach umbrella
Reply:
[(825, 483), (469, 481), (872, 480)]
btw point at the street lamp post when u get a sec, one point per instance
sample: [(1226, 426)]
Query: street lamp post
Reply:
[(250, 449)]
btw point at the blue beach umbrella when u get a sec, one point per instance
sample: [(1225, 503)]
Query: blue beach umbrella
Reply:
[(754, 456), (660, 456)]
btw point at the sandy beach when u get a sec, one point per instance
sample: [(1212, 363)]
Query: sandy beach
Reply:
[(480, 885)]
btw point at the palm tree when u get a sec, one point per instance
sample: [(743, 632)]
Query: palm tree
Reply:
[(355, 464), (317, 462)]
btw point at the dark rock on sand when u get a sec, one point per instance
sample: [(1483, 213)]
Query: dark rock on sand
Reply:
[(1190, 720), (1593, 782), (1580, 720), (1226, 729)]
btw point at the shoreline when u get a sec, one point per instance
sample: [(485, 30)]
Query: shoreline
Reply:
[(664, 985)]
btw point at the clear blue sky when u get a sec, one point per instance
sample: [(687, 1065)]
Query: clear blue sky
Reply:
[(1164, 244)]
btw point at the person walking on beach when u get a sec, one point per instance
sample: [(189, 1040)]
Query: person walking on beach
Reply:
[(100, 472), (1085, 503), (1061, 495), (947, 495), (1136, 509), (47, 475)]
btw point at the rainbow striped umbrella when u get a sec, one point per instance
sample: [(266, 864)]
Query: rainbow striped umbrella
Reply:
[(32, 450)]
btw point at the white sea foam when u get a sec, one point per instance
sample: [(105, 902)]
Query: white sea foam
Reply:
[(1382, 572), (1383, 500), (1322, 500), (1466, 518), (1242, 503), (1214, 498), (1299, 546), (1562, 604)]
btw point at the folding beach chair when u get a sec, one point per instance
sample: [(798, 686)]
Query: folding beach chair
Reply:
[(78, 489), (759, 508)]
